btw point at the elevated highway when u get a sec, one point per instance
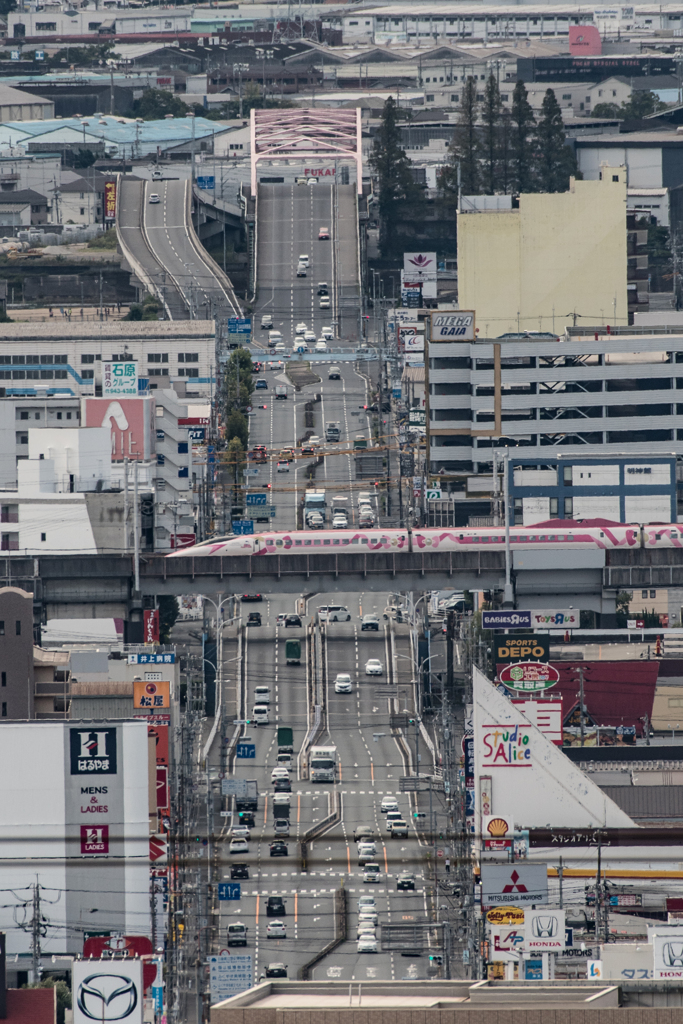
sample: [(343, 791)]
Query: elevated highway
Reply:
[(162, 249)]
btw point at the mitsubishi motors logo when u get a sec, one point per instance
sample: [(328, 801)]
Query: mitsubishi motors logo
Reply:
[(515, 885)]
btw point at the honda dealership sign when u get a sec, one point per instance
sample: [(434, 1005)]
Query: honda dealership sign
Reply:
[(107, 990), (668, 954), (518, 883), (545, 931)]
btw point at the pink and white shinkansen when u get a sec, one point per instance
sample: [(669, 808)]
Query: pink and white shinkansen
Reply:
[(553, 534)]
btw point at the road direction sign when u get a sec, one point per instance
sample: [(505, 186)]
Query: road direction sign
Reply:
[(233, 787), (256, 499), (239, 325), (230, 974), (245, 750), (229, 891), (243, 526)]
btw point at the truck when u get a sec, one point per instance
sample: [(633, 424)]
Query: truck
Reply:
[(332, 432), (293, 652), (314, 501), (322, 764), (281, 804), (285, 736), (360, 442), (249, 802), (280, 390)]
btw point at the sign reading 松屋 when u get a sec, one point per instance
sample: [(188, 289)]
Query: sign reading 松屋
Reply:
[(119, 378)]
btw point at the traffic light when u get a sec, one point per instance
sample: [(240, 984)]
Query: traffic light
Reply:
[(419, 814)]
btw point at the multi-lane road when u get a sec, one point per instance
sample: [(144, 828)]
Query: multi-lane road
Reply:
[(159, 241), (371, 762)]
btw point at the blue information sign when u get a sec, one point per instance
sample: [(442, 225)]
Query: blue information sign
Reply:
[(229, 891), (256, 499), (239, 325), (245, 750), (243, 526), (206, 181)]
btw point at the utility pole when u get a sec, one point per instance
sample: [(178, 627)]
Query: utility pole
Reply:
[(36, 929)]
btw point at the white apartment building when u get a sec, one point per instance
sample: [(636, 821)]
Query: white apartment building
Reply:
[(65, 357)]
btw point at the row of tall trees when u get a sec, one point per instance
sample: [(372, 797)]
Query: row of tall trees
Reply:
[(496, 149)]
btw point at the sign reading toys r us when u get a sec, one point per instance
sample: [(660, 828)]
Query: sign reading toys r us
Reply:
[(452, 325)]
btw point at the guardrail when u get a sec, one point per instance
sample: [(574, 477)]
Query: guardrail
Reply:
[(340, 933)]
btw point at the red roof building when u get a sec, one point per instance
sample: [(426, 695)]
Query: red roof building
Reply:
[(616, 693)]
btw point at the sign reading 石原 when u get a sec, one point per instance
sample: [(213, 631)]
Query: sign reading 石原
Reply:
[(119, 378)]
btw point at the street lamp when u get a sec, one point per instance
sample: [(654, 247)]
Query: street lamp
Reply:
[(239, 68)]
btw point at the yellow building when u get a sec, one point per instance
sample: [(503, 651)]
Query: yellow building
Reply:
[(556, 256)]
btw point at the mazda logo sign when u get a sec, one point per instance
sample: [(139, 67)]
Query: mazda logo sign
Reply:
[(107, 997)]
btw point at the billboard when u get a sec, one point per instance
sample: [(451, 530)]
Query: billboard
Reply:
[(452, 325), (150, 695), (523, 883), (545, 931), (119, 378), (110, 200), (584, 40), (131, 421), (419, 266), (107, 990), (522, 647), (668, 953)]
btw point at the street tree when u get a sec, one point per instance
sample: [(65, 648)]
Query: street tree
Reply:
[(155, 104), (397, 186), (462, 173), (491, 116), (556, 162), (522, 141)]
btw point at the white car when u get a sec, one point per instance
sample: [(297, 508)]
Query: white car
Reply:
[(239, 846), (240, 832), (276, 930), (366, 852), (314, 521), (301, 270), (327, 333), (368, 916), (300, 328), (303, 258), (373, 667), (321, 346), (342, 683), (389, 803), (367, 944), (324, 302), (309, 337), (365, 928), (339, 523), (279, 773), (154, 198), (366, 904), (313, 440)]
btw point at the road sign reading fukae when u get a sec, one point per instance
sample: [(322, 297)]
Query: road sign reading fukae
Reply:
[(523, 883)]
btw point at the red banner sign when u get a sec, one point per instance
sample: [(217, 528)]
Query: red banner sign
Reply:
[(151, 626)]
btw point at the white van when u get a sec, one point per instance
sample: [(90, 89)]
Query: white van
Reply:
[(334, 613), (260, 714), (262, 695)]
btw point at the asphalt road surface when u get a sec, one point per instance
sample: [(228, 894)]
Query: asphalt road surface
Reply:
[(370, 765)]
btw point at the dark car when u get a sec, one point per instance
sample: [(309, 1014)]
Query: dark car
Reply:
[(293, 620), (252, 597), (256, 367), (261, 384), (254, 619), (279, 849), (239, 871), (276, 971), (275, 907), (406, 881), (247, 818), (307, 449), (282, 786)]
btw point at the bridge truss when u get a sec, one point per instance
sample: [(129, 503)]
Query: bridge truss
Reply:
[(306, 134)]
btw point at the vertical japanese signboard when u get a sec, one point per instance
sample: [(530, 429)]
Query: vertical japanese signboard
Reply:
[(110, 200), (151, 625)]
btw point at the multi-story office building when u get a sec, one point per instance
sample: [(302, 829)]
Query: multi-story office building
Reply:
[(64, 357), (589, 391)]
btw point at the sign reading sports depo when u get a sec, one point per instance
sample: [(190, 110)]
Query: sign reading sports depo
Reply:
[(452, 325)]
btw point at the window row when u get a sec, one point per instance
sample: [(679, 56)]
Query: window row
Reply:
[(33, 374), (33, 360)]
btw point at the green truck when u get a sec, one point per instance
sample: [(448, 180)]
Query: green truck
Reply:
[(293, 652), (285, 740)]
